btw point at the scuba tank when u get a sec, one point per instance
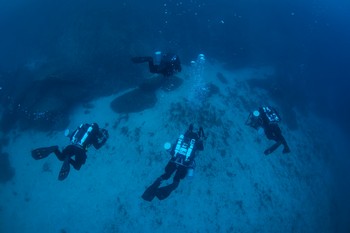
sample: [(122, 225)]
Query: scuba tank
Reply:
[(81, 135), (157, 58), (190, 170)]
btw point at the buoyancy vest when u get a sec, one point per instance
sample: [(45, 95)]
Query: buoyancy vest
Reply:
[(271, 115), (82, 135), (184, 149)]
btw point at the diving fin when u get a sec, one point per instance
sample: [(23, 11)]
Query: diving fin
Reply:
[(272, 148), (151, 191), (64, 169), (43, 152), (165, 191), (286, 150)]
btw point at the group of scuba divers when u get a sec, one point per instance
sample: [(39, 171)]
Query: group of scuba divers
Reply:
[(182, 152)]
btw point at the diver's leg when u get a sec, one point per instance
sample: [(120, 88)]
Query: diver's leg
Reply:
[(67, 152), (151, 191), (169, 169), (64, 172), (43, 152), (286, 148), (164, 192), (65, 156), (80, 159), (180, 174), (272, 148), (60, 155)]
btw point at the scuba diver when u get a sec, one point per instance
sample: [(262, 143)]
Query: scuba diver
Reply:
[(266, 119), (84, 136), (166, 64), (182, 162)]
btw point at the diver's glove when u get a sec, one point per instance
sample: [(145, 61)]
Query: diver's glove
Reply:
[(201, 134)]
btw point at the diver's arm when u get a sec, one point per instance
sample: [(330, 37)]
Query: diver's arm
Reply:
[(101, 139)]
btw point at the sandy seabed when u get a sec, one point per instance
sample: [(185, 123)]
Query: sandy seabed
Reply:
[(236, 188)]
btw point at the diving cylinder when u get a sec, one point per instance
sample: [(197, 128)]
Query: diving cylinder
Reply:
[(190, 172), (157, 58)]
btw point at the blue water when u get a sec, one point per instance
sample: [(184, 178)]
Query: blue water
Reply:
[(71, 45)]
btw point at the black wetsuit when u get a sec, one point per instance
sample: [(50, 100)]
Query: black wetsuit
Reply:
[(273, 132), (78, 152), (81, 139), (176, 164), (169, 64), (181, 170)]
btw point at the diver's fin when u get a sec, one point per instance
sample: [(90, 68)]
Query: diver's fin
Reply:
[(64, 169), (272, 148), (141, 59), (286, 150), (43, 152), (151, 191), (165, 191)]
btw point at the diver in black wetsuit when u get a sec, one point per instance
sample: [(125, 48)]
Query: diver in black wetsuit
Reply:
[(84, 136), (182, 162), (166, 64), (267, 118)]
